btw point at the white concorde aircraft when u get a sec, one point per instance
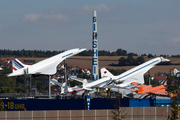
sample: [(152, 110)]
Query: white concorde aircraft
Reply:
[(135, 74), (45, 67)]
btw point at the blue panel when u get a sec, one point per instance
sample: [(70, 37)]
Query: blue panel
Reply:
[(141, 102), (44, 104), (72, 104), (162, 102), (108, 103)]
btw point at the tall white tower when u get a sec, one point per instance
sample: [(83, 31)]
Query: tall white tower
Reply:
[(95, 66)]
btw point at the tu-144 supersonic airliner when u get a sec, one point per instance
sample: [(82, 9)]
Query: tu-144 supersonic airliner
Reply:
[(44, 67), (135, 74)]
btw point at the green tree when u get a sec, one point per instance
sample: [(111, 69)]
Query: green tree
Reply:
[(121, 52), (79, 75), (7, 82), (144, 54), (170, 79), (171, 88), (41, 86), (122, 61), (131, 60), (150, 56), (116, 72), (85, 76), (79, 71), (140, 60), (154, 82), (132, 54), (20, 79), (174, 107), (146, 80), (120, 71), (118, 112), (104, 53), (113, 54), (5, 90)]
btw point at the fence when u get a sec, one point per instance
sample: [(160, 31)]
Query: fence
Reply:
[(133, 113)]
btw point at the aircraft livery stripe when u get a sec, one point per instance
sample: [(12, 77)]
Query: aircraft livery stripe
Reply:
[(76, 90), (137, 70), (14, 65), (17, 64), (14, 68), (67, 55)]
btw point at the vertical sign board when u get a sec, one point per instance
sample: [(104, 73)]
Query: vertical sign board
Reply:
[(88, 102), (95, 68)]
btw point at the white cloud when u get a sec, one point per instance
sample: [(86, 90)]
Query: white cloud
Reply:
[(111, 19), (102, 7), (55, 17), (99, 7), (86, 7), (175, 41), (32, 17)]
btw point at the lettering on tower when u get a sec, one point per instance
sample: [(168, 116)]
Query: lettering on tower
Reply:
[(95, 68)]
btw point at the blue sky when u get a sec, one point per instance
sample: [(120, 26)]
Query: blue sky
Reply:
[(139, 26)]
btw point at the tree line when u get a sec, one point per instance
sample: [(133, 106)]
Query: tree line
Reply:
[(48, 53), (28, 53), (131, 61)]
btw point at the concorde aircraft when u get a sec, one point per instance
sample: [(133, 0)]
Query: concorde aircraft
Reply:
[(44, 67), (135, 74)]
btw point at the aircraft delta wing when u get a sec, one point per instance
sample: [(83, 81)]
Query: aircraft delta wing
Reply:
[(135, 74), (45, 67)]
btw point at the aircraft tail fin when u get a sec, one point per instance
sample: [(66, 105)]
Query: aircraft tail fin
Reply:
[(84, 83), (64, 88), (106, 73), (16, 65)]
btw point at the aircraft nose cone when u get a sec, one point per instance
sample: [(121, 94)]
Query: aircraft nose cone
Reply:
[(80, 50), (83, 49), (164, 60), (167, 60)]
